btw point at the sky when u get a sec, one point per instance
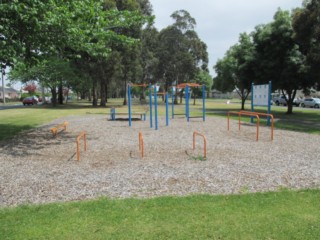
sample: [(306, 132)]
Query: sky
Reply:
[(220, 22)]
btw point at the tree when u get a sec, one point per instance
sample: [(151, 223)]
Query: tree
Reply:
[(306, 25), (279, 58), (236, 69), (31, 88)]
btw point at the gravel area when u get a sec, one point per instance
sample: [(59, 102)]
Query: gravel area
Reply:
[(36, 167)]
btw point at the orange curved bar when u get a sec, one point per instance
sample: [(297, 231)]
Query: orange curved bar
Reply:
[(204, 143), (141, 144), (264, 115), (81, 135), (183, 85), (245, 114)]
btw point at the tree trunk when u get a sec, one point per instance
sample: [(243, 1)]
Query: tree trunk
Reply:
[(243, 100), (103, 93), (94, 94), (125, 94), (54, 96), (60, 93)]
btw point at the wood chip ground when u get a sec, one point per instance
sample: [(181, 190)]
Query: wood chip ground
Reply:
[(36, 167)]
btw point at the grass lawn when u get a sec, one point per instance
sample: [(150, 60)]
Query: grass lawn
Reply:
[(280, 215)]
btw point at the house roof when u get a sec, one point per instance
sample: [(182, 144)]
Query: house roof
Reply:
[(9, 90)]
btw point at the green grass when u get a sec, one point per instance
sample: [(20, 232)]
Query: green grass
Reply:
[(275, 215), (13, 121)]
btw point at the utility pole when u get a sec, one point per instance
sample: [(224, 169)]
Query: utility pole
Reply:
[(2, 73)]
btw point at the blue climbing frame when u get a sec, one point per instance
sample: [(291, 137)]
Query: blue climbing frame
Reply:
[(187, 87)]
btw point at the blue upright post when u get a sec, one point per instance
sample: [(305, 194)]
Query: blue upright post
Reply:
[(269, 101), (204, 103), (252, 104), (156, 107), (129, 104), (150, 104), (187, 103), (172, 103), (167, 109)]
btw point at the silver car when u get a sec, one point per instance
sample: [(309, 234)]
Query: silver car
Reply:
[(311, 102)]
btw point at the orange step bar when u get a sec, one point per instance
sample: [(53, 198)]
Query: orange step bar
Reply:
[(264, 115), (81, 135), (251, 114), (204, 143)]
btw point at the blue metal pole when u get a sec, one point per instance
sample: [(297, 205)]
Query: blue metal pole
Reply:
[(172, 103), (150, 104), (156, 107), (167, 109), (129, 104), (187, 102), (252, 103), (269, 102), (204, 103)]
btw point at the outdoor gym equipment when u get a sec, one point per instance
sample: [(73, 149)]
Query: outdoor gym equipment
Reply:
[(55, 129), (187, 87), (264, 115), (141, 144), (204, 143), (153, 94), (251, 114), (81, 135)]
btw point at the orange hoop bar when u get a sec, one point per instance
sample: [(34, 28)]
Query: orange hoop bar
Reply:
[(245, 114), (83, 134), (204, 143), (264, 115), (141, 144), (183, 85), (55, 129)]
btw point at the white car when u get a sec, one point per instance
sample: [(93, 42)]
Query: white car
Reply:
[(311, 102)]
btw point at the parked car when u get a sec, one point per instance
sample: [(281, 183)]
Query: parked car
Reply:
[(281, 100), (29, 101), (311, 102)]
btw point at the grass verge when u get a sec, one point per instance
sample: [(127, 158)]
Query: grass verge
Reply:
[(274, 215)]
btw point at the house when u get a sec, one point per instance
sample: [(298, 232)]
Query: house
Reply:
[(9, 93)]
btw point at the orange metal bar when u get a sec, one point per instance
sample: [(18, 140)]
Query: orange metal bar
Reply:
[(204, 143), (264, 115), (55, 129), (245, 114), (141, 144), (81, 135)]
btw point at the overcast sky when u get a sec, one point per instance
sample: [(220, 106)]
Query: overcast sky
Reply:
[(220, 22)]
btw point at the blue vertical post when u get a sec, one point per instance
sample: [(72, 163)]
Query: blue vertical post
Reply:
[(150, 104), (156, 107), (252, 103), (167, 109), (187, 103), (269, 101), (204, 103), (129, 104), (172, 103)]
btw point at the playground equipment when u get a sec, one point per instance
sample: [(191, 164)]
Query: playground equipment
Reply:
[(153, 94), (81, 135), (264, 115), (204, 143), (114, 114), (55, 129), (187, 87), (251, 114), (141, 144)]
